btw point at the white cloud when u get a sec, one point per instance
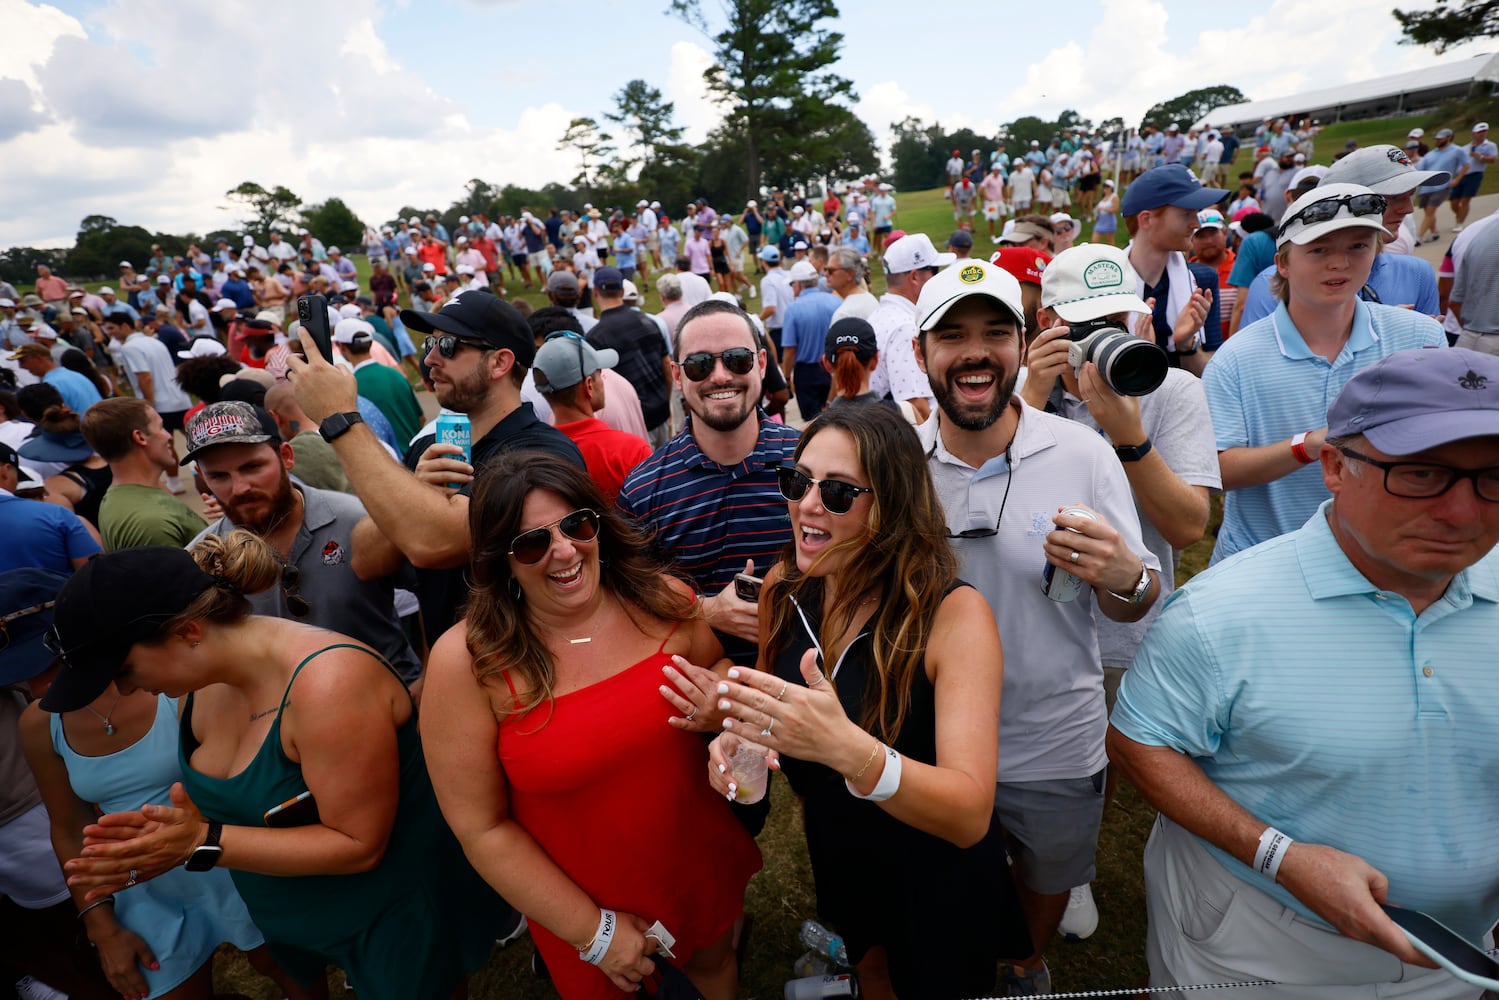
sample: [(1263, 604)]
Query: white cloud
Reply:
[(696, 110), (31, 31)]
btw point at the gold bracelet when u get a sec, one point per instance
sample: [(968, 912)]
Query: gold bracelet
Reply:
[(872, 755)]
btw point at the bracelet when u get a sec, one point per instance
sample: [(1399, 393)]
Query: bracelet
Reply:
[(873, 752), (889, 782), (1271, 852), (594, 953), (98, 902), (1298, 449)]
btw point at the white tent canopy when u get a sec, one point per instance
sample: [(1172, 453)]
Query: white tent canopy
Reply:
[(1385, 95)]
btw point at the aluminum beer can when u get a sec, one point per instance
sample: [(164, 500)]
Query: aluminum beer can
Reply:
[(454, 428), (1058, 584)]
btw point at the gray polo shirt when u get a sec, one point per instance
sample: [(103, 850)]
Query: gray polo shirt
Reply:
[(1476, 285), (1052, 716), (340, 601)]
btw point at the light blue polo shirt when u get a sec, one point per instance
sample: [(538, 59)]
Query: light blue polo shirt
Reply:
[(1327, 709), (1398, 279), (1265, 385)]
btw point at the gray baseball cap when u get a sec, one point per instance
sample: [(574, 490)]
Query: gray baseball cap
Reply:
[(567, 359), (1383, 169), (1418, 399)]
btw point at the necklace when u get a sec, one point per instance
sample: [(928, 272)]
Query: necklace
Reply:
[(109, 728)]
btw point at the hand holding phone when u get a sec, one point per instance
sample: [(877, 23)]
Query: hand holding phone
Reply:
[(747, 588), (312, 314), (1445, 947)]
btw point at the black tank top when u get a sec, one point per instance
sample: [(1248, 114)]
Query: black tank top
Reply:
[(94, 483)]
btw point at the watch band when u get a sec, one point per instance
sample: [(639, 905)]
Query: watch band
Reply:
[(206, 855), (338, 425), (1142, 587), (1133, 452)]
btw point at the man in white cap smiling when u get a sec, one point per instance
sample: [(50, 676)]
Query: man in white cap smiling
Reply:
[(1267, 386), (1001, 470)]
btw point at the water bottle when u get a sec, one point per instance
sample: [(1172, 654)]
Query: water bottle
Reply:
[(815, 987), (824, 942), (811, 964)]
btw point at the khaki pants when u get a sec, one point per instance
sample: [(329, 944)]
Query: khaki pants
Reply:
[(1488, 343)]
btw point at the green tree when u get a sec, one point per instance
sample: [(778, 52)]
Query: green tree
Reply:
[(1023, 130), (267, 209), (1192, 106), (592, 146), (772, 71), (645, 120), (102, 243), (1449, 23), (333, 222), (916, 154)]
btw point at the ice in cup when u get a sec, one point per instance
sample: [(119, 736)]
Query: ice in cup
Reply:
[(749, 768)]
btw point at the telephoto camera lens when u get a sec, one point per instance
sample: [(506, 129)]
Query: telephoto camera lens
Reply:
[(1130, 366)]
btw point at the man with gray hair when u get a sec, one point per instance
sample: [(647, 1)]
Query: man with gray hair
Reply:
[(673, 306), (910, 262), (846, 279)]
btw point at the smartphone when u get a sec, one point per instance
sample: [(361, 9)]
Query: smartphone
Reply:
[(300, 811), (747, 588), (312, 313), (1443, 946)]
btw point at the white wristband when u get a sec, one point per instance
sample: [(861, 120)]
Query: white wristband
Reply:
[(1271, 852), (889, 782), (594, 953)]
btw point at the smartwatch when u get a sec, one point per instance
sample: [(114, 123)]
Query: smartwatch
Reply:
[(338, 425), (206, 855), (1133, 452)]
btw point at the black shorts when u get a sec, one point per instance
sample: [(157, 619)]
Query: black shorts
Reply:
[(1089, 182), (519, 259)]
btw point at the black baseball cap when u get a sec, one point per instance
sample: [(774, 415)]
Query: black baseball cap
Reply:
[(478, 316), (850, 331), (114, 601), (26, 598)]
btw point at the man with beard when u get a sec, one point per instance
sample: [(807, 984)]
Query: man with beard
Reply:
[(711, 492), (1004, 472), (336, 572), (478, 350), (130, 435)]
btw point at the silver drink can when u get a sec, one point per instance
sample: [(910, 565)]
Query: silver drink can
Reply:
[(1058, 584)]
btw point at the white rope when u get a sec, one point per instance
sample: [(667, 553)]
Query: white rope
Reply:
[(1136, 990)]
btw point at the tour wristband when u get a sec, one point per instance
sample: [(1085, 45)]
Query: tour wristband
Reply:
[(889, 781), (594, 953), (1271, 852)]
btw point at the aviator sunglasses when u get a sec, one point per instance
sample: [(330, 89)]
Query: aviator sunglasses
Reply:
[(837, 496), (738, 360), (530, 547), (1327, 209)]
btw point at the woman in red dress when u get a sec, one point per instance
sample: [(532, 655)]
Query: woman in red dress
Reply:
[(574, 789)]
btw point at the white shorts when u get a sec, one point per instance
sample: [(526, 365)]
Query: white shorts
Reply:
[(1059, 198), (993, 210), (1021, 207)]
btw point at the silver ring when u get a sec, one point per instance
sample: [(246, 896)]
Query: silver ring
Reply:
[(691, 715), (766, 731), (134, 874), (783, 690), (1075, 556)]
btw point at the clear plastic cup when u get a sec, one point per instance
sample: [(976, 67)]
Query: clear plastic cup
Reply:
[(749, 768)]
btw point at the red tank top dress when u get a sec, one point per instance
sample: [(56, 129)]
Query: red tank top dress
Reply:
[(620, 800)]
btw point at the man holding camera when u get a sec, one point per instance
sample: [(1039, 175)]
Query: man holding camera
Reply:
[(1004, 471), (1269, 386)]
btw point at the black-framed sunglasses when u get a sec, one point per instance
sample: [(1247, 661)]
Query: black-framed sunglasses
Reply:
[(447, 344), (837, 496), (738, 360), (5, 620), (291, 588), (577, 339), (1328, 208), (1428, 480), (531, 547)]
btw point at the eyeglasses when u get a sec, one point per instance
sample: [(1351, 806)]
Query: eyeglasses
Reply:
[(1328, 208), (531, 547), (1427, 480), (738, 360), (5, 620), (291, 587), (447, 345), (837, 496)]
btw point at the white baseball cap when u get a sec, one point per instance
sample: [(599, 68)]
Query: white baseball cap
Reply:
[(802, 270), (913, 252), (1299, 232), (962, 280), (202, 347), (1091, 281)]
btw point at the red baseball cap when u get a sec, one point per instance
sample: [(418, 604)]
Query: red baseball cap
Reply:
[(1024, 263)]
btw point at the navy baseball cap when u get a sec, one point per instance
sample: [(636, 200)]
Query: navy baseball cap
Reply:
[(1172, 184), (608, 277), (1419, 399), (27, 596)]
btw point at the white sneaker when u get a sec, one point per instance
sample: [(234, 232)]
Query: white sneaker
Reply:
[(34, 989), (754, 292), (1457, 228), (1081, 918)]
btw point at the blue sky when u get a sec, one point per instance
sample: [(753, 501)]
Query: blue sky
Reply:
[(148, 110)]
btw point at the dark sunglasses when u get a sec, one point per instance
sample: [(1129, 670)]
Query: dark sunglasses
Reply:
[(447, 345), (1327, 209), (738, 360), (575, 338), (5, 620), (531, 547), (52, 638), (291, 587), (837, 496)]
